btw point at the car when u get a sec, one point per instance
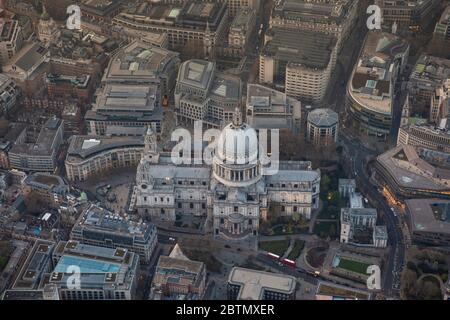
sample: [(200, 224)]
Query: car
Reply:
[(171, 239), (227, 246)]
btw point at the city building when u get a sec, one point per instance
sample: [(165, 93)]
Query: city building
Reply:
[(234, 193), (242, 31), (441, 35), (16, 133), (299, 61), (426, 136), (196, 24), (136, 80), (50, 189), (37, 263), (358, 227), (102, 11), (440, 103), (322, 127), (412, 14), (105, 273), (141, 63), (27, 68), (428, 221), (11, 39), (347, 187), (204, 94), (247, 284), (370, 92), (271, 109), (410, 172), (73, 121), (61, 86), (236, 6), (178, 277), (99, 227), (334, 17), (429, 74), (47, 30), (90, 156), (41, 153), (9, 94)]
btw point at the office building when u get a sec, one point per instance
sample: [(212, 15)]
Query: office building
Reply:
[(236, 6), (50, 189), (198, 24), (299, 61), (242, 31), (426, 136), (247, 284), (99, 227), (105, 273), (428, 221), (37, 263), (334, 17), (370, 92), (322, 127), (414, 15), (271, 109), (429, 74), (410, 172), (90, 156), (178, 277), (9, 94), (11, 39), (204, 94), (134, 83), (40, 154), (100, 11)]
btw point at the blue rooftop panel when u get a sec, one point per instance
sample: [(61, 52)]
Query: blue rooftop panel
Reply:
[(86, 265)]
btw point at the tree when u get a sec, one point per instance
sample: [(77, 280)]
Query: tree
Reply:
[(332, 231), (408, 281), (325, 182)]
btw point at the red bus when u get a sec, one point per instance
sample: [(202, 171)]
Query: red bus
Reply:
[(289, 263)]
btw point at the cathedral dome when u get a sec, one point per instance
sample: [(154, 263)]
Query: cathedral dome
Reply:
[(238, 143), (236, 160)]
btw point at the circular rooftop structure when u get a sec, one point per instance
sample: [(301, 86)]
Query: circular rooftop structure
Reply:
[(323, 117)]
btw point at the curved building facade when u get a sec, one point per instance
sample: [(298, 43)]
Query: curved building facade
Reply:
[(370, 92), (90, 155)]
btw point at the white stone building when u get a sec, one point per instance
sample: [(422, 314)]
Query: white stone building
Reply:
[(234, 194)]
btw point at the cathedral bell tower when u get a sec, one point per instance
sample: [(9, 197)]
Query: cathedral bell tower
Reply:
[(208, 41), (150, 146)]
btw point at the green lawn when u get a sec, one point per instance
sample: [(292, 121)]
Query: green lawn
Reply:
[(326, 228), (296, 250), (355, 266), (336, 291), (276, 247)]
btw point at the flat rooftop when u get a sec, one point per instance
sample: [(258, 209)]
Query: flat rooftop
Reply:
[(335, 10), (306, 48), (103, 220), (372, 80), (253, 283), (429, 215), (405, 166), (83, 147), (139, 61)]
